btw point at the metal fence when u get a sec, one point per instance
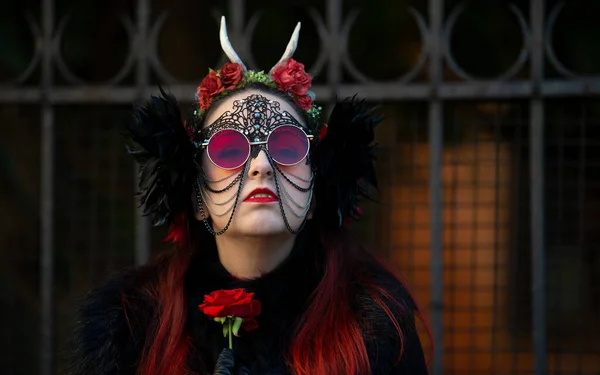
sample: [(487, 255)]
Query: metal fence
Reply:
[(432, 103)]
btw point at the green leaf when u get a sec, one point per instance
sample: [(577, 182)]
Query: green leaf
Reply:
[(236, 325)]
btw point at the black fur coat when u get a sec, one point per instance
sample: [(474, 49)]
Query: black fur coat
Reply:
[(104, 344)]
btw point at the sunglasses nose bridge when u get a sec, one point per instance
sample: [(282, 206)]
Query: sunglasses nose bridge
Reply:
[(255, 143), (260, 165), (256, 148)]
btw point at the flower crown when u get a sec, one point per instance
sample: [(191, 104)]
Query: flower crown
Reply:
[(287, 76)]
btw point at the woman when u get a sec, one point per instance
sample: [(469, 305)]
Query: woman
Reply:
[(260, 275)]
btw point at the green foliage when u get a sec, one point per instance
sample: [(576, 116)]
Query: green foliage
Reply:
[(258, 77)]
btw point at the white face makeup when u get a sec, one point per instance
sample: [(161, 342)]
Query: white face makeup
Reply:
[(255, 178)]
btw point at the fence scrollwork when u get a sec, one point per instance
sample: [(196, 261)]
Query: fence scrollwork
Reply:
[(511, 71), (37, 53), (553, 59), (405, 78), (329, 37), (72, 78)]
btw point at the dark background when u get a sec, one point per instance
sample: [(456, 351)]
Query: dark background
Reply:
[(97, 72)]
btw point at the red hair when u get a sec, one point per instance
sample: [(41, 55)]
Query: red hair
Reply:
[(321, 338), (328, 341), (168, 344)]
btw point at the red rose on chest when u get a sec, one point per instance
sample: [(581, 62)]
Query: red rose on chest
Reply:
[(232, 303)]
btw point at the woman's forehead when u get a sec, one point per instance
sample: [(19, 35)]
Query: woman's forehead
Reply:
[(254, 104)]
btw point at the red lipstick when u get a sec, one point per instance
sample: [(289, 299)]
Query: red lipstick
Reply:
[(261, 195)]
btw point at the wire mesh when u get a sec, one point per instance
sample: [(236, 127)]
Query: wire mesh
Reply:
[(487, 231)]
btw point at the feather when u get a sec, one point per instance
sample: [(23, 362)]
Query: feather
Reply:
[(344, 160), (158, 141), (109, 334)]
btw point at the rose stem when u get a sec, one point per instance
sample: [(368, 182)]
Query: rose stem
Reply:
[(229, 329)]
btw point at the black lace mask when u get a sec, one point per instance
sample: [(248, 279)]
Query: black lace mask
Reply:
[(255, 116)]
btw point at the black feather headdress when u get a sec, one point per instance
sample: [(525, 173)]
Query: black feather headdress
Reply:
[(344, 161), (159, 142)]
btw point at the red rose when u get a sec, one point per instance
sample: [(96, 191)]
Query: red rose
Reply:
[(210, 86), (231, 75), (323, 132), (304, 102), (234, 302), (291, 77), (190, 131)]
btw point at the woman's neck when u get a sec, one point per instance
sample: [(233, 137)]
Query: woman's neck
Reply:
[(251, 257)]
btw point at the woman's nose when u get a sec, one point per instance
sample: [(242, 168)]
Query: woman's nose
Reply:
[(260, 166)]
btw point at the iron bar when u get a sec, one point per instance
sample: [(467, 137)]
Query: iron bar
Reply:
[(237, 12), (142, 223), (497, 262), (376, 91), (536, 138), (47, 196), (582, 200), (436, 124), (334, 68)]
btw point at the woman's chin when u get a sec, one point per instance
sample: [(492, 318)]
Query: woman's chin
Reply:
[(260, 220), (262, 223)]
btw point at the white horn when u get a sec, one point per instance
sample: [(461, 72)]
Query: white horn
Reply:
[(227, 47), (291, 47)]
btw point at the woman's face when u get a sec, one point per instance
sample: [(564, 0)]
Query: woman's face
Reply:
[(262, 186)]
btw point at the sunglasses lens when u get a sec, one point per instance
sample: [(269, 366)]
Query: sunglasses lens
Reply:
[(228, 149), (288, 145)]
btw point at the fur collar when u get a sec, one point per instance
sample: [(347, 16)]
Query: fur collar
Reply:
[(104, 344), (283, 293)]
